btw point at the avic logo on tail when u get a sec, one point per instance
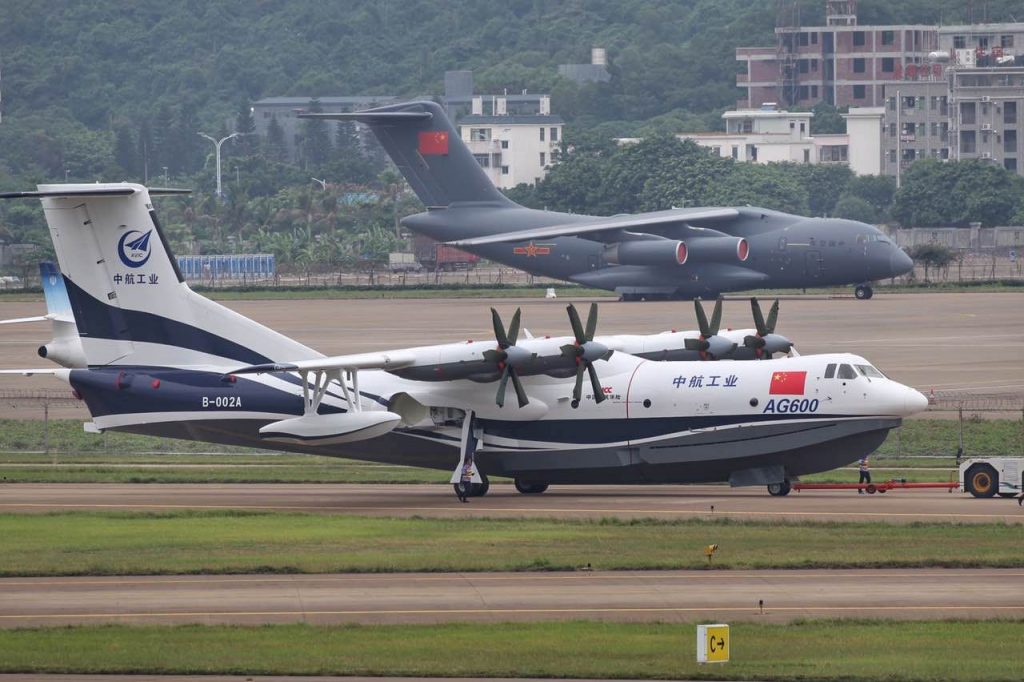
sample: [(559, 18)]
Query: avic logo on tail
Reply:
[(133, 248)]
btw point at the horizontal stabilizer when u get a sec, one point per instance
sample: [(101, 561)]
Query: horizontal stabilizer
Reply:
[(41, 318), (378, 117), (648, 223), (86, 191), (385, 361), (59, 372)]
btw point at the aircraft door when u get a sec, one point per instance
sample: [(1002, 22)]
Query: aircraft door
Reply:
[(812, 264)]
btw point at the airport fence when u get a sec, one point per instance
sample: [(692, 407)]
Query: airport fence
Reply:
[(968, 411)]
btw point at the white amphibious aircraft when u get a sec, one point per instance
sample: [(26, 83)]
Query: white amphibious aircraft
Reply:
[(165, 361)]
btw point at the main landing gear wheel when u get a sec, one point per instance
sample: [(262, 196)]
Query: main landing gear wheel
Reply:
[(530, 488), (863, 292), (475, 489), (779, 489)]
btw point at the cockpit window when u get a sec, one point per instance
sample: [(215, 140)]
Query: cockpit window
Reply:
[(870, 372), (847, 372), (830, 370), (865, 238)]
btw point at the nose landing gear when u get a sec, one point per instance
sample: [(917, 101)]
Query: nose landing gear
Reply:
[(863, 292)]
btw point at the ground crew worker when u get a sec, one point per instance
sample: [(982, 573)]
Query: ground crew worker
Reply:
[(865, 473)]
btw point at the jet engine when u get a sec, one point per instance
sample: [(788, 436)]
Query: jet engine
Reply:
[(664, 252), (327, 429), (718, 249)]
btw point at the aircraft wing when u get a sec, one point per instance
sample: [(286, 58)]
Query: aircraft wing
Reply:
[(386, 361), (650, 223)]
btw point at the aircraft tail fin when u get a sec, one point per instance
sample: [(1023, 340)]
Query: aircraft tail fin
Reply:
[(427, 149), (129, 301)]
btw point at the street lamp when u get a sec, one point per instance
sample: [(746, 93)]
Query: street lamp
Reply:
[(165, 176), (217, 144), (322, 183)]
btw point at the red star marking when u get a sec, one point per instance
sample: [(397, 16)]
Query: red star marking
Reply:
[(531, 250)]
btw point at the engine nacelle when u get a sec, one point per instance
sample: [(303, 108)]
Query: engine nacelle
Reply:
[(664, 252), (719, 249), (66, 352), (327, 429)]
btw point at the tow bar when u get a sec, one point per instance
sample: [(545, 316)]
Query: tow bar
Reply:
[(872, 488)]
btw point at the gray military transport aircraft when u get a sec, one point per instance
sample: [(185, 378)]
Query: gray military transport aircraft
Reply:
[(679, 253), (156, 358)]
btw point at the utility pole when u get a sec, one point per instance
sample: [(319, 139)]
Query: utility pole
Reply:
[(217, 144)]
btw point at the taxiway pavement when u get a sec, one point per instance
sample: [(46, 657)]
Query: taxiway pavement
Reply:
[(444, 597), (662, 501)]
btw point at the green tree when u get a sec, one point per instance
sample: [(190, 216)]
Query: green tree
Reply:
[(957, 193), (824, 184), (765, 186), (275, 144), (877, 190), (853, 207), (247, 143), (125, 154), (315, 149), (827, 119), (932, 256)]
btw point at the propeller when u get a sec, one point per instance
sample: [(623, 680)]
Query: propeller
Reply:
[(709, 344), (586, 351), (506, 356), (766, 341)]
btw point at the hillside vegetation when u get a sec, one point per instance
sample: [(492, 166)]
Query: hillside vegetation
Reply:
[(119, 89)]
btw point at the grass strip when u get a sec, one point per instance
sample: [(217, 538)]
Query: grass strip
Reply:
[(128, 543), (818, 650)]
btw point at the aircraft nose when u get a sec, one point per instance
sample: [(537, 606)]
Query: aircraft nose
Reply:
[(914, 401), (899, 262)]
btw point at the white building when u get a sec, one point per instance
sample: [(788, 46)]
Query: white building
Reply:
[(512, 148), (770, 135), (765, 135), (864, 130)]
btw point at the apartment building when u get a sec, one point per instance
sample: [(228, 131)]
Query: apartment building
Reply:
[(512, 148), (970, 112)]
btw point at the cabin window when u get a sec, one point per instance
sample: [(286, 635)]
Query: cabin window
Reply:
[(847, 372), (830, 370)]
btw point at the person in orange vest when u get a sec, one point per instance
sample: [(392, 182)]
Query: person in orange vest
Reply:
[(865, 473)]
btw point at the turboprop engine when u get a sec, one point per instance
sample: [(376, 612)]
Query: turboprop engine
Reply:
[(327, 429)]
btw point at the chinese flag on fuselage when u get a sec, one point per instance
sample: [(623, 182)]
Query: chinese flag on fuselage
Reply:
[(787, 383), (434, 142)]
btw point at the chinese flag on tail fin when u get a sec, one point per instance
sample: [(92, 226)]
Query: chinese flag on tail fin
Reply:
[(787, 383), (434, 142)]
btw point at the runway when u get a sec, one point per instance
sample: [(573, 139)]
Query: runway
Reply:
[(947, 342), (663, 502), (682, 596)]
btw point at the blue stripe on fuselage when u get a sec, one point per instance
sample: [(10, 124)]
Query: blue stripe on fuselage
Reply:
[(114, 391), (136, 390)]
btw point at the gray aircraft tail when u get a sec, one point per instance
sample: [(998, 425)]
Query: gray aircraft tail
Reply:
[(428, 151)]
